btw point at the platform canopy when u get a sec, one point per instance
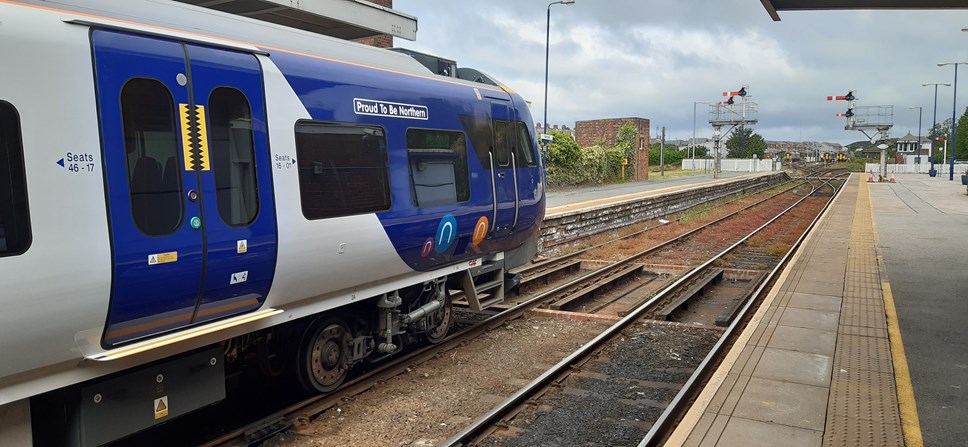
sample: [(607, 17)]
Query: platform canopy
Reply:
[(774, 6), (345, 19)]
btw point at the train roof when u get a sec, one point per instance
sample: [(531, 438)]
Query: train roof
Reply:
[(195, 20)]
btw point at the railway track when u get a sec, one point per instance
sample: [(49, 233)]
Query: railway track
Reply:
[(584, 396), (542, 274), (301, 410)]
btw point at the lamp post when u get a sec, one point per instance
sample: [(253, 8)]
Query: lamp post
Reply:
[(934, 127), (917, 150), (693, 146), (954, 106), (547, 45)]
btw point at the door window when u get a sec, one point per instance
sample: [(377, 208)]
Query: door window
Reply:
[(438, 167), (233, 156), (151, 147), (14, 220), (502, 155)]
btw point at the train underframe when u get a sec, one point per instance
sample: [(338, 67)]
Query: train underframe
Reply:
[(319, 352)]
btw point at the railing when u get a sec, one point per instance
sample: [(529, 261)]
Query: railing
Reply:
[(731, 165), (943, 168)]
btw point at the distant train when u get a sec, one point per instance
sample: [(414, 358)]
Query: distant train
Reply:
[(174, 202), (830, 158)]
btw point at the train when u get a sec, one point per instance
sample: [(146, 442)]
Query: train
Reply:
[(185, 192)]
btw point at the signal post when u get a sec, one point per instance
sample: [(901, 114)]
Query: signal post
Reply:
[(732, 114), (875, 119)]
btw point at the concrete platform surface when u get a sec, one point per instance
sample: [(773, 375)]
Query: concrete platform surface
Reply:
[(816, 365), (922, 237)]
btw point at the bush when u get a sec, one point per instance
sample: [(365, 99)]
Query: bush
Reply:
[(569, 165), (597, 165)]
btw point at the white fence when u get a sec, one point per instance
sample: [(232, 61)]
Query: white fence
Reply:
[(943, 169), (731, 165)]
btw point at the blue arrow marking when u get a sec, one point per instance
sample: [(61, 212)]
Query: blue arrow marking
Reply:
[(61, 162)]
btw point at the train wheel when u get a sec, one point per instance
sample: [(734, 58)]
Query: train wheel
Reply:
[(324, 356), (441, 320)]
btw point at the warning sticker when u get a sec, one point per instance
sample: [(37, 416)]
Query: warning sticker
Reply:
[(163, 258), (241, 246), (161, 407), (239, 277)]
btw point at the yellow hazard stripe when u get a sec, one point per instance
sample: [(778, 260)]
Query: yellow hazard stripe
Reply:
[(186, 129), (907, 404), (203, 164)]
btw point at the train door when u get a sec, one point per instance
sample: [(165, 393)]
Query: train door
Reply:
[(505, 189), (189, 195)]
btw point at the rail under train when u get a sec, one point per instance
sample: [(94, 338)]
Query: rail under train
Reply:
[(183, 191)]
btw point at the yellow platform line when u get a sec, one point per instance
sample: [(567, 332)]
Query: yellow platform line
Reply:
[(910, 422)]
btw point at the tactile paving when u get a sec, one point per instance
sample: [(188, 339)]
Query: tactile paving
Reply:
[(847, 431), (863, 406)]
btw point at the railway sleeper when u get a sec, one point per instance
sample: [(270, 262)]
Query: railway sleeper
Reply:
[(697, 289), (729, 313), (624, 274)]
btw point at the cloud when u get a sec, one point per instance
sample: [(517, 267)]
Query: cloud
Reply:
[(654, 59)]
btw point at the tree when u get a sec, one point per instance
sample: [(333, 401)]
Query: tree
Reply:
[(627, 141), (744, 143), (943, 131), (563, 151), (961, 137)]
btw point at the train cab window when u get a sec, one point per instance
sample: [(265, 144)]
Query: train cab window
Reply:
[(478, 130), (342, 169), (502, 153), (233, 157), (151, 145), (438, 167), (14, 219), (524, 150)]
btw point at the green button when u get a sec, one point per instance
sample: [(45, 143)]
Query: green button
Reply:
[(196, 223)]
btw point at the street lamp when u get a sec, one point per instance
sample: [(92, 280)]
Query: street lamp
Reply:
[(954, 105), (917, 151), (693, 147), (547, 45), (934, 127)]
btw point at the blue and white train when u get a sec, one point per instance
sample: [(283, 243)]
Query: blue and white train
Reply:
[(182, 190)]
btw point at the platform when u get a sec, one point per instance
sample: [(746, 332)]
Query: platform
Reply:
[(823, 360), (564, 199)]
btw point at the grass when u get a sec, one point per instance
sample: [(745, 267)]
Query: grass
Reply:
[(671, 172)]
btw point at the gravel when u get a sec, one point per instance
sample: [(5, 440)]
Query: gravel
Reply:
[(615, 398), (435, 400)]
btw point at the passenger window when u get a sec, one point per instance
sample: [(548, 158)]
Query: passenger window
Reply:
[(502, 156), (14, 219), (233, 157), (524, 150), (151, 145), (438, 167), (342, 169)]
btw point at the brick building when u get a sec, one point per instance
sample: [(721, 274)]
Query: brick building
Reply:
[(383, 40), (587, 133)]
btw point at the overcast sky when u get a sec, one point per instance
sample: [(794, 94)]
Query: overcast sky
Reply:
[(653, 59)]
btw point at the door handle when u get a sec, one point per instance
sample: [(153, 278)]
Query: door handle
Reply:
[(501, 175)]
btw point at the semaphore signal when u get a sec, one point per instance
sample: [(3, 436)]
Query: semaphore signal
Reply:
[(848, 97)]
